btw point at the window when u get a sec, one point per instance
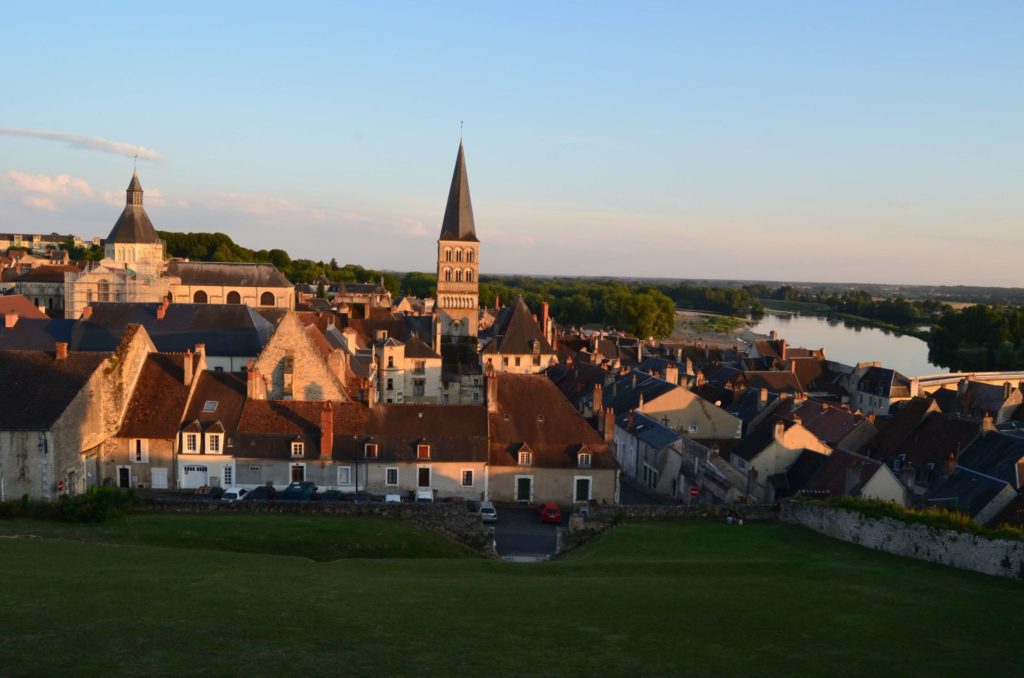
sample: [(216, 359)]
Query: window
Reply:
[(234, 298), (423, 451), (391, 384), (191, 443), (254, 468), (536, 360), (469, 256), (418, 387), (199, 297), (229, 476), (525, 458), (420, 367), (584, 459), (298, 473), (298, 449), (504, 361), (391, 362), (469, 275), (447, 254), (476, 396), (391, 476), (344, 475), (210, 406), (140, 451), (370, 450), (458, 255), (581, 488), (104, 291), (517, 361), (692, 428), (447, 275), (213, 443), (467, 477), (267, 299), (458, 276)]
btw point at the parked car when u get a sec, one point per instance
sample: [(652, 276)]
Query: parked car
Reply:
[(262, 493), (549, 513), (234, 494), (304, 491), (209, 493), (488, 513)]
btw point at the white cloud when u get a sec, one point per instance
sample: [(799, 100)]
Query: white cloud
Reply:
[(85, 143), (40, 203), (62, 184)]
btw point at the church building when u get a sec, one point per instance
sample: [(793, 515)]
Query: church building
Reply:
[(458, 260)]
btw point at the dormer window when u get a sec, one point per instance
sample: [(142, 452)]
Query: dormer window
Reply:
[(423, 451), (583, 460), (370, 450), (298, 448), (191, 443), (525, 458), (213, 441)]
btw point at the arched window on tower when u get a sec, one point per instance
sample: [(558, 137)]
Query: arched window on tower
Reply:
[(458, 255), (199, 297), (469, 256), (469, 275), (447, 275), (447, 254), (458, 276), (234, 297), (267, 299)]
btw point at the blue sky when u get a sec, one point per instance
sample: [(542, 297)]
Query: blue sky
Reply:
[(876, 142)]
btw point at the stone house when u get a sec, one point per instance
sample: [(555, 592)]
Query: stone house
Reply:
[(517, 342), (541, 448), (849, 474), (44, 285), (205, 438), (57, 408), (770, 449), (142, 452), (291, 367), (408, 371)]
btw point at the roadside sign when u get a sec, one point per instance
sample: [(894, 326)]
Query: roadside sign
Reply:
[(694, 491)]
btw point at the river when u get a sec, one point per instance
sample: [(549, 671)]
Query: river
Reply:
[(849, 344)]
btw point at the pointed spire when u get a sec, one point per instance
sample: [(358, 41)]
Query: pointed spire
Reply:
[(134, 190), (458, 214)]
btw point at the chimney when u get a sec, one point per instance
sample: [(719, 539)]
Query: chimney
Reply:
[(491, 378), (10, 320), (762, 399), (188, 368), (672, 374), (773, 335), (252, 384), (609, 426), (201, 350), (161, 310), (792, 366), (544, 318), (62, 350), (497, 302), (326, 430), (86, 312), (782, 349), (640, 405), (780, 428), (950, 466), (598, 405), (987, 425)]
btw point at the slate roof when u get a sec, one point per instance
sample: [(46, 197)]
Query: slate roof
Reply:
[(267, 428), (774, 381), (966, 490), (458, 221), (33, 334), (225, 329), (20, 304), (995, 454), (936, 437), (828, 423), (800, 472), (158, 401), (454, 432), (883, 382), (842, 473), (748, 404), (517, 333), (227, 274), (981, 398), (531, 411), (36, 388), (624, 393), (648, 429), (759, 438), (416, 348), (133, 226)]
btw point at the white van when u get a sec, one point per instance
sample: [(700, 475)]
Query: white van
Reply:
[(488, 514)]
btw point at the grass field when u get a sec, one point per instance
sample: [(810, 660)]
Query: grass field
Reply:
[(646, 599)]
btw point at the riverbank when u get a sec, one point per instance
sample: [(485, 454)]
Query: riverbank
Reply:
[(713, 329)]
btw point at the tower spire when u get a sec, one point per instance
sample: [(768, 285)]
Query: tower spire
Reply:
[(458, 214), (134, 190)]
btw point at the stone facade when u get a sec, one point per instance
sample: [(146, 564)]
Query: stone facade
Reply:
[(291, 368)]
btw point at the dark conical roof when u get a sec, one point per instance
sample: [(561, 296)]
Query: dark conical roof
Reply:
[(134, 226), (458, 214)]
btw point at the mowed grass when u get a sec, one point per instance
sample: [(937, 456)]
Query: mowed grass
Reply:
[(645, 599)]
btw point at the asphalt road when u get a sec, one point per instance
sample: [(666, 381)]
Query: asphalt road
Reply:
[(519, 532)]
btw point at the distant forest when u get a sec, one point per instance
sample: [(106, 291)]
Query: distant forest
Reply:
[(986, 336)]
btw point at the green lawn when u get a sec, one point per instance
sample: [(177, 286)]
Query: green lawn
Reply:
[(652, 599)]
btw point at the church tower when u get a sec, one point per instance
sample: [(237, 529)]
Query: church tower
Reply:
[(133, 242), (458, 260)]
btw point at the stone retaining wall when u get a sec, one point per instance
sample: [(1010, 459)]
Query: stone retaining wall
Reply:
[(999, 557), (450, 519)]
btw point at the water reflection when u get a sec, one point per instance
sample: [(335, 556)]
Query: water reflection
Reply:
[(848, 342)]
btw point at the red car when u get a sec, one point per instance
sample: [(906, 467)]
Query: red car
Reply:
[(549, 513)]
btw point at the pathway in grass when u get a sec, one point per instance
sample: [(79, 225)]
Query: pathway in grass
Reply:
[(652, 599)]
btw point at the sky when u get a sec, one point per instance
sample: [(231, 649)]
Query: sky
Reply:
[(814, 141)]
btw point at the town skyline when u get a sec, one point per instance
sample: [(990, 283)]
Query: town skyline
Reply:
[(742, 152)]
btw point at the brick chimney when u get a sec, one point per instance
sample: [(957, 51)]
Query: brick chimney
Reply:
[(987, 425), (326, 430), (672, 374), (609, 425), (497, 301), (62, 350), (161, 310), (491, 379), (544, 318), (782, 349), (10, 320), (188, 368), (86, 312), (598, 406), (201, 350), (253, 385), (780, 429)]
